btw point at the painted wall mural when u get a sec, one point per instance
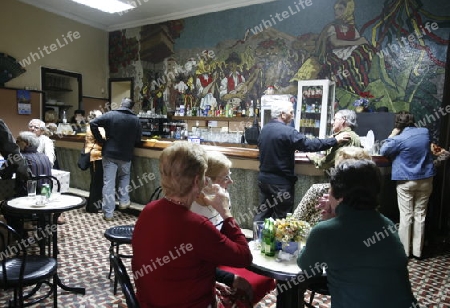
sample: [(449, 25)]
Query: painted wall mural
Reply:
[(394, 51)]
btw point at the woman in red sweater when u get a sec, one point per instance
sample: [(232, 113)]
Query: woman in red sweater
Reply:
[(175, 251)]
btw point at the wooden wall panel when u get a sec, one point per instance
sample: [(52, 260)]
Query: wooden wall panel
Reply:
[(18, 122), (92, 103)]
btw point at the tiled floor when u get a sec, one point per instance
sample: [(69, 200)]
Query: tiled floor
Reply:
[(84, 262)]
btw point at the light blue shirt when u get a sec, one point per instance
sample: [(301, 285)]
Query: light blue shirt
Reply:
[(410, 153)]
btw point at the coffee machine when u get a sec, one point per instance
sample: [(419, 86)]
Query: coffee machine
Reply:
[(153, 127)]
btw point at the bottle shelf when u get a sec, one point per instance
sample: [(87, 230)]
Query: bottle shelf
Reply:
[(224, 119), (56, 89)]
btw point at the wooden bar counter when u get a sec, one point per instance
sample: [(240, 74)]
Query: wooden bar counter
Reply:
[(244, 191)]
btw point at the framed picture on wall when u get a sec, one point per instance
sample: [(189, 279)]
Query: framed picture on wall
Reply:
[(23, 102)]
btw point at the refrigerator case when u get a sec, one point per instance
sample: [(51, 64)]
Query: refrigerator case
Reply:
[(268, 101), (315, 108)]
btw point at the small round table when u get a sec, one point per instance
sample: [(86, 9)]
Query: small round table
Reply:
[(50, 212), (291, 283)]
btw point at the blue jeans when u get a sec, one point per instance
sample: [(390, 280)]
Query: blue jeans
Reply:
[(111, 167)]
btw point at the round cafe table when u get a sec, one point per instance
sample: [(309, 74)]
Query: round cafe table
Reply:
[(48, 214), (291, 283)]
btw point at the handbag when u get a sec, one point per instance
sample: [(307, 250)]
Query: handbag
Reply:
[(85, 158), (252, 133)]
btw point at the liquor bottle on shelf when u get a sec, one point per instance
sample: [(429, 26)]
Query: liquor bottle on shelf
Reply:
[(251, 110), (258, 107)]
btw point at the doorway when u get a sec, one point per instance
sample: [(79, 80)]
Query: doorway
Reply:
[(120, 88)]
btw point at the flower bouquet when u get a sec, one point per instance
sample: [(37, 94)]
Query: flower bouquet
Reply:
[(363, 103), (291, 232)]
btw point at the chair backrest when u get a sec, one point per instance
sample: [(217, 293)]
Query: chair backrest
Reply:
[(10, 247), (50, 179), (124, 279)]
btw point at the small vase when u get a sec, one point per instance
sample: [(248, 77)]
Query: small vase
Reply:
[(290, 247), (360, 109)]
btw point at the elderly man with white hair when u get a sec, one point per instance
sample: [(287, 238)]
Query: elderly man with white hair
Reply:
[(38, 163), (277, 144), (46, 145), (344, 122)]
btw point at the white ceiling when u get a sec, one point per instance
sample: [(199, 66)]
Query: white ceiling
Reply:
[(146, 11)]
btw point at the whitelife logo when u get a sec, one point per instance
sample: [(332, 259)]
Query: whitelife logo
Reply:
[(66, 39), (298, 6)]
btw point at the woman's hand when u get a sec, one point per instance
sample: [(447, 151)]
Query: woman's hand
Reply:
[(394, 132), (220, 201), (242, 284), (324, 205)]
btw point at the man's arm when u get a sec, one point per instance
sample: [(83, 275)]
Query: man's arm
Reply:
[(7, 142), (11, 153)]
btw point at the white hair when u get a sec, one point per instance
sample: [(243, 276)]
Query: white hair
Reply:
[(349, 116), (281, 107), (29, 138)]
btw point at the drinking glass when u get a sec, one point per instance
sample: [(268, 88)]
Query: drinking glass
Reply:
[(258, 226), (31, 188)]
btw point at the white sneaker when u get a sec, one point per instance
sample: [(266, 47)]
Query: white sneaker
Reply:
[(124, 206)]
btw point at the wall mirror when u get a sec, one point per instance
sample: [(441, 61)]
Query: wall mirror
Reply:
[(118, 89), (62, 94)]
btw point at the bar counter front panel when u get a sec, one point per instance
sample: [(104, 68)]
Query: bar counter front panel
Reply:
[(243, 192)]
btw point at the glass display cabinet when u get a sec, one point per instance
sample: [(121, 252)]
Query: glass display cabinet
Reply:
[(315, 107)]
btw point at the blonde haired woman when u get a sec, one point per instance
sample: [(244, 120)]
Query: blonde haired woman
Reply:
[(254, 286), (94, 204), (176, 249), (315, 205)]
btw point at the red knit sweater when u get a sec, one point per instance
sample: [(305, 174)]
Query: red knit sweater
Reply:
[(176, 252)]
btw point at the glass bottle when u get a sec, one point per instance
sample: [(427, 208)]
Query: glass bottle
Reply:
[(269, 240), (64, 120)]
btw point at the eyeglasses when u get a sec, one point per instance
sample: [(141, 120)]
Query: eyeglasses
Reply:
[(33, 127), (225, 178), (339, 118)]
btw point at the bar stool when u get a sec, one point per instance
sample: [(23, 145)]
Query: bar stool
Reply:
[(118, 235)]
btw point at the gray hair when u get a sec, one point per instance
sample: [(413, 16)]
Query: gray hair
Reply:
[(29, 138), (279, 108), (127, 103), (94, 114), (349, 116)]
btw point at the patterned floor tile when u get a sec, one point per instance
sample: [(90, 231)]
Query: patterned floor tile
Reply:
[(83, 261)]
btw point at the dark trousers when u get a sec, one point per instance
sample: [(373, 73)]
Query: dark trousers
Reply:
[(94, 203), (275, 200)]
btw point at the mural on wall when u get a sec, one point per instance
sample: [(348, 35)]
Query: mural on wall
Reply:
[(397, 57)]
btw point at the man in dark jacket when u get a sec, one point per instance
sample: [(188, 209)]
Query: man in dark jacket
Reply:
[(122, 132), (277, 144), (14, 161)]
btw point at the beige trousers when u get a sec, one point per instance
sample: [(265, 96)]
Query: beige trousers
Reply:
[(412, 199)]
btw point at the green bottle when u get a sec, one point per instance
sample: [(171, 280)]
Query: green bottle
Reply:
[(263, 236), (269, 240)]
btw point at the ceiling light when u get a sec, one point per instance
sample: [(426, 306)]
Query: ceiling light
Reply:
[(109, 6)]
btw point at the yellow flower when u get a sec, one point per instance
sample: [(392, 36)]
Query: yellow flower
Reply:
[(291, 230)]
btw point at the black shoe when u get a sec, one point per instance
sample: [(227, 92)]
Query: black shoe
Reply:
[(95, 210)]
